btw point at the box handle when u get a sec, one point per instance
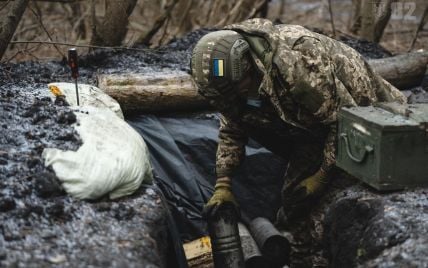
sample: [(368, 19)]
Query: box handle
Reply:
[(368, 149)]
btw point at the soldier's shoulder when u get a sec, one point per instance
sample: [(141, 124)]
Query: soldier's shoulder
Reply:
[(291, 28), (290, 34), (251, 25)]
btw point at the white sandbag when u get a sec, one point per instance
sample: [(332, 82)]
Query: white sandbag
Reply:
[(88, 96), (113, 159)]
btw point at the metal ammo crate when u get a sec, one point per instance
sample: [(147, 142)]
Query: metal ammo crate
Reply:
[(385, 146)]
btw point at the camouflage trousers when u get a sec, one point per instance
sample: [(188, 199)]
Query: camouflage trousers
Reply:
[(302, 149)]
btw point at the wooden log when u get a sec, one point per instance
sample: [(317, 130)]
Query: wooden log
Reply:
[(170, 91), (402, 71), (165, 91)]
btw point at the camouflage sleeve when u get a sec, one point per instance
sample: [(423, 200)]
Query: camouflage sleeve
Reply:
[(330, 149), (309, 71), (390, 93), (231, 147), (313, 86), (315, 90)]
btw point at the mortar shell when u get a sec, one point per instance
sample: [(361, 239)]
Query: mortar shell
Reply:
[(274, 246)]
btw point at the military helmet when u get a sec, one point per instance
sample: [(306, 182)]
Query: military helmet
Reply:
[(218, 61)]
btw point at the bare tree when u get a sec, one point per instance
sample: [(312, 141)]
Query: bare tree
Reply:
[(114, 26), (10, 22), (355, 19), (243, 9), (422, 22), (330, 11), (77, 20), (370, 18), (160, 21)]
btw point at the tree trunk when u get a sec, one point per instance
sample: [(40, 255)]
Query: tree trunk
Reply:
[(355, 19), (10, 22), (175, 90), (160, 21), (79, 25), (114, 26), (155, 92), (422, 22), (374, 16), (402, 71)]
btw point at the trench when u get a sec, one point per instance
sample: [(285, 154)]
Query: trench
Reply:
[(40, 225)]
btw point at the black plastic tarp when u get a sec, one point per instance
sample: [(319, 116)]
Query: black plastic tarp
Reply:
[(182, 150)]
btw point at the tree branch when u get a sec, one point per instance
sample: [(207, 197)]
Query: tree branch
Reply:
[(39, 20), (4, 5), (158, 23), (421, 25), (10, 22), (77, 45), (257, 9)]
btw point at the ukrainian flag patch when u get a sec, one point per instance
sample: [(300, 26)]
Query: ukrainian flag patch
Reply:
[(218, 67)]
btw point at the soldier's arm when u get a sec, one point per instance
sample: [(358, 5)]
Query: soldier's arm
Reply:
[(231, 147), (314, 89)]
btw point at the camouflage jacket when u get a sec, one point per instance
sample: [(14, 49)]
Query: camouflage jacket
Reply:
[(307, 78)]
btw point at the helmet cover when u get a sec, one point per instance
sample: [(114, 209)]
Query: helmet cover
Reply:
[(219, 61)]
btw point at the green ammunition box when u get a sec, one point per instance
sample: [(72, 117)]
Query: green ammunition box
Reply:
[(385, 146)]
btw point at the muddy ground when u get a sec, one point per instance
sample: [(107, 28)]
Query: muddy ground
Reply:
[(40, 225), (356, 226)]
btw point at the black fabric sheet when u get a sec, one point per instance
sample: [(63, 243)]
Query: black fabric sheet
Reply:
[(182, 150)]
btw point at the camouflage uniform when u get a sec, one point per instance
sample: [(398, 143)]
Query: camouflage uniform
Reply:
[(307, 77)]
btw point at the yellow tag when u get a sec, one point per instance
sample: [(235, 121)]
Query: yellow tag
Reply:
[(55, 90)]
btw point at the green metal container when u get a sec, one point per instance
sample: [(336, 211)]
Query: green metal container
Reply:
[(385, 146)]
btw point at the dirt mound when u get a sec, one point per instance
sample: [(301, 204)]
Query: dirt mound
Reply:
[(371, 229), (368, 49), (40, 225)]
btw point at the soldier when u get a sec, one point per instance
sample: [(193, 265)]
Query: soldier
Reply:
[(282, 86)]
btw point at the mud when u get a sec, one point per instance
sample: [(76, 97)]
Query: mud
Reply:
[(41, 226), (353, 225), (367, 49), (368, 229)]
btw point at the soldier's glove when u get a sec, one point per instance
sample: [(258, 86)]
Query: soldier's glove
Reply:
[(222, 196), (310, 187)]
